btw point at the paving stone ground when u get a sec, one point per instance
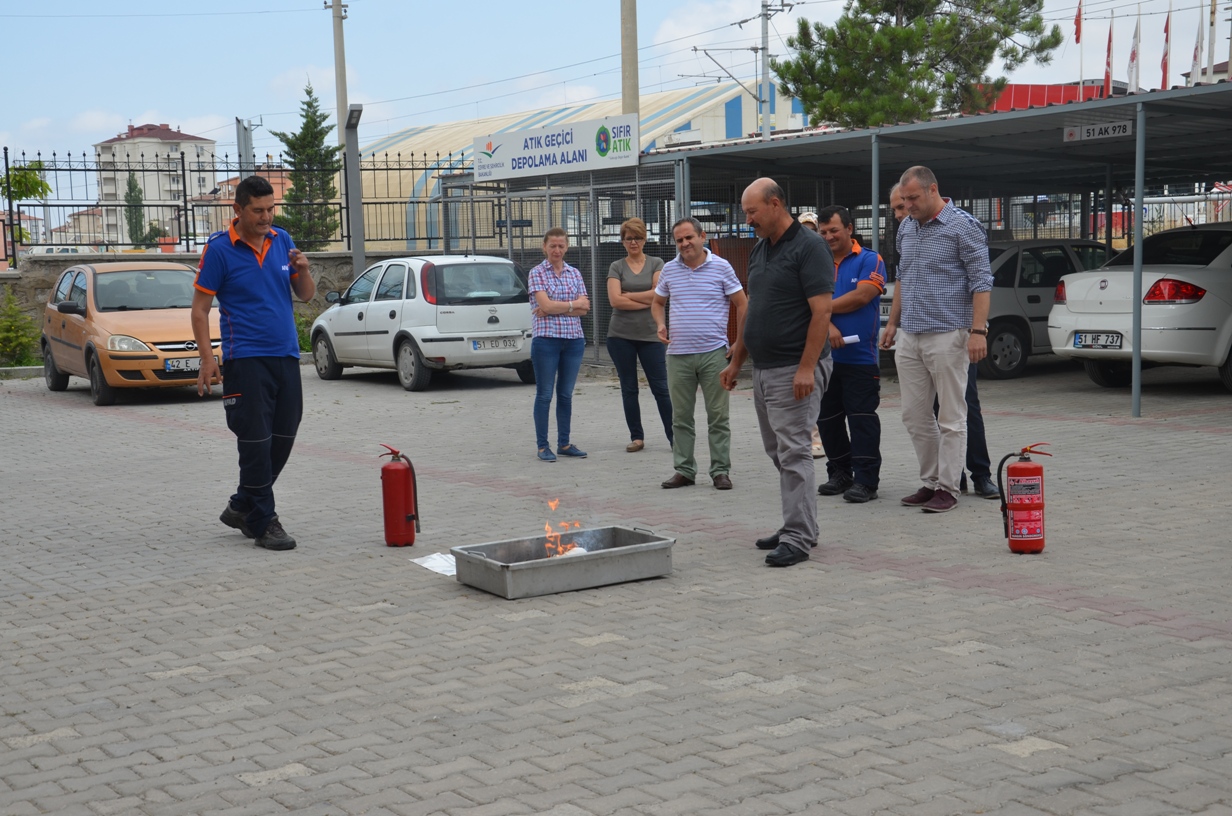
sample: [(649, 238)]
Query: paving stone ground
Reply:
[(155, 662)]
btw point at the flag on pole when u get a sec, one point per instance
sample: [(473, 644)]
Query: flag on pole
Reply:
[(1078, 23), (1195, 73), (1132, 74), (1108, 63), (1163, 64)]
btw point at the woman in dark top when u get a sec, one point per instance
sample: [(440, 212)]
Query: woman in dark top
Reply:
[(631, 335)]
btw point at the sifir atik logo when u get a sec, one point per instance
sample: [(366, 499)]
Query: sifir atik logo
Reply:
[(490, 151)]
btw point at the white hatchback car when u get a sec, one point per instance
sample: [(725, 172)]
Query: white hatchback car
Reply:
[(1186, 307), (423, 314)]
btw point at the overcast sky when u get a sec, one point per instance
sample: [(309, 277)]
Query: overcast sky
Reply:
[(80, 71)]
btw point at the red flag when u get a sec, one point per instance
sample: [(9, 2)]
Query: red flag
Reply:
[(1108, 65), (1163, 64), (1078, 24)]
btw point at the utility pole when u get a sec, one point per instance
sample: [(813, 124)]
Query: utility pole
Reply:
[(765, 69), (1210, 48), (340, 84), (630, 101)]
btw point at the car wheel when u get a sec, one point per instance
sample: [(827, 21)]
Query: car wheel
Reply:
[(1007, 353), (1109, 374), (328, 367), (56, 379), (100, 391), (412, 372), (526, 372), (1225, 372)]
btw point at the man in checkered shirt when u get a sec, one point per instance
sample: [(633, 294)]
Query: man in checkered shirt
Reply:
[(941, 305)]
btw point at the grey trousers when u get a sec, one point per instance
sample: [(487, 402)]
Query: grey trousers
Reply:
[(786, 433)]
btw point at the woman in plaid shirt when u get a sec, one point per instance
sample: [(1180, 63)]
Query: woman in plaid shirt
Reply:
[(558, 301)]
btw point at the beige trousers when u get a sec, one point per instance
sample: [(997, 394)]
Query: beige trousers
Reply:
[(934, 366)]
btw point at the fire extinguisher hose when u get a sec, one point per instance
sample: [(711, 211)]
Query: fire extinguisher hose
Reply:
[(1005, 513)]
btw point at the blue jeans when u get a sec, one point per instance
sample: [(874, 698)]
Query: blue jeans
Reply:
[(556, 361), (653, 354)]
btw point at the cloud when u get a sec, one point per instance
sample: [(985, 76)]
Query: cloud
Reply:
[(92, 121), (37, 124)]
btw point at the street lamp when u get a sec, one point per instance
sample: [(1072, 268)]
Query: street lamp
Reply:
[(354, 188)]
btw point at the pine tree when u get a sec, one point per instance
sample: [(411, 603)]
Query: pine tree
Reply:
[(134, 211), (887, 61), (309, 213)]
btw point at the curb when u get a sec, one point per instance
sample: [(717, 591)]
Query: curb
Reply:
[(20, 372)]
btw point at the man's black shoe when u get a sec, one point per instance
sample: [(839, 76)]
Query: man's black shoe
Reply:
[(786, 556), (835, 486), (234, 518), (767, 543), (858, 493), (985, 489), (275, 538)]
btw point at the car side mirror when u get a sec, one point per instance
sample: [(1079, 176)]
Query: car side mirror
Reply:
[(332, 297), (70, 307)]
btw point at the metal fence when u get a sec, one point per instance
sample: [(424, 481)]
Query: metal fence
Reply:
[(186, 197)]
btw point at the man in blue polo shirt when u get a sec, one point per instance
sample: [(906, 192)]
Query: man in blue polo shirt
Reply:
[(252, 269), (852, 397)]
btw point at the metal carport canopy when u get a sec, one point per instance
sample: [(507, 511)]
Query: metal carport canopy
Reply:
[(1189, 139), (1179, 136)]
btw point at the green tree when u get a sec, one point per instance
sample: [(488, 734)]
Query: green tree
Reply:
[(24, 183), (19, 333), (886, 61), (308, 214), (134, 212)]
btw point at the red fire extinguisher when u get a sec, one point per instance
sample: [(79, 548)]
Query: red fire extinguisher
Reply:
[(1022, 500), (398, 492)]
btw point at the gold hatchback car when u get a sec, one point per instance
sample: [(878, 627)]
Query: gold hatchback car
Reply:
[(123, 325)]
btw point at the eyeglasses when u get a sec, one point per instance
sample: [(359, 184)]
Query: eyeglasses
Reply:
[(635, 240)]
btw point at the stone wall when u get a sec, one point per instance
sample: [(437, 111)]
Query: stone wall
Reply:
[(35, 276)]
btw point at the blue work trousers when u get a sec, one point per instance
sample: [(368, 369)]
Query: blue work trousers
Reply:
[(264, 401), (851, 402)]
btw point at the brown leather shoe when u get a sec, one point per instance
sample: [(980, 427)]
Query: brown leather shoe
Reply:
[(677, 480), (722, 482), (635, 446)]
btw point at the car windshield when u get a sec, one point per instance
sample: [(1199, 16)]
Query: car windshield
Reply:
[(1184, 248), (144, 289), (994, 253), (479, 282)]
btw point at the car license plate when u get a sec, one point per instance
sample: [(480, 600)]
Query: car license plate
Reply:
[(1097, 340), (495, 344), (184, 364)]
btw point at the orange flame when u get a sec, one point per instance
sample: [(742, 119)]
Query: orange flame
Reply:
[(554, 546)]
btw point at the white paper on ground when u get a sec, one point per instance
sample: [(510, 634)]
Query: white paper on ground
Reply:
[(438, 562)]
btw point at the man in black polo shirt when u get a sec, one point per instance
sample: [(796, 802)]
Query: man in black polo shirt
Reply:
[(786, 332)]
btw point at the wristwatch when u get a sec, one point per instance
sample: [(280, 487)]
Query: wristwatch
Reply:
[(983, 332)]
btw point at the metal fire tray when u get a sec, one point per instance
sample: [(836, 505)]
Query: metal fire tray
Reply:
[(521, 568)]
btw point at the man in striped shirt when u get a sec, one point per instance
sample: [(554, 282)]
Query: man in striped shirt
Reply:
[(701, 288), (941, 304)]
